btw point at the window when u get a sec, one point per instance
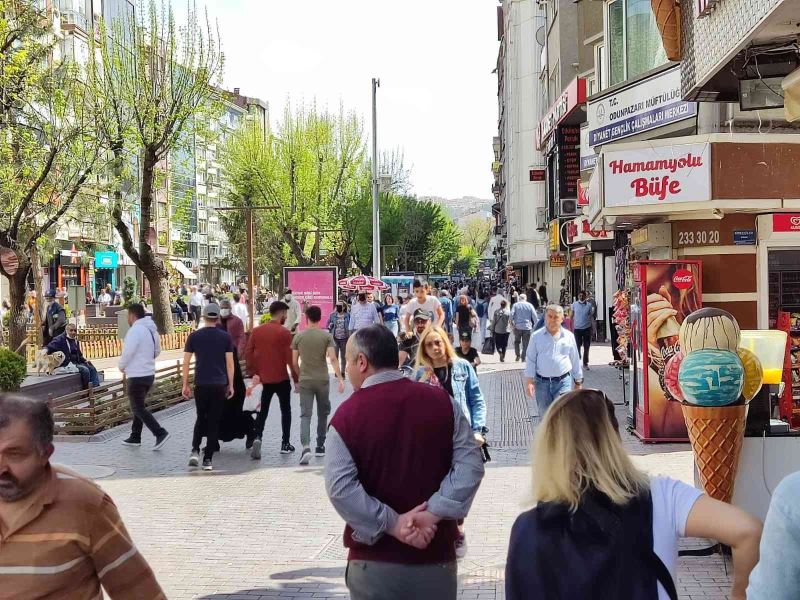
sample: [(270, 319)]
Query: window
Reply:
[(634, 42), (600, 67), (554, 88), (591, 85), (202, 226)]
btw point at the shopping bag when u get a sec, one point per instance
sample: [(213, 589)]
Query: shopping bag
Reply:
[(488, 346), (252, 395)]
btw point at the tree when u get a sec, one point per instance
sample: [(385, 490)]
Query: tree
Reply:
[(476, 233), (155, 81), (311, 168), (48, 149)]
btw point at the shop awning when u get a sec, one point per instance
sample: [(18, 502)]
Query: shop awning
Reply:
[(183, 270)]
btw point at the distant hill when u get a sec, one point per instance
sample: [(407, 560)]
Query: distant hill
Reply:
[(458, 208)]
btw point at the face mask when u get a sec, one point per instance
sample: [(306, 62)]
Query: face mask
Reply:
[(224, 312)]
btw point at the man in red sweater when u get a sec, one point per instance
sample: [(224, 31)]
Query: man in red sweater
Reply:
[(269, 355), (402, 466)]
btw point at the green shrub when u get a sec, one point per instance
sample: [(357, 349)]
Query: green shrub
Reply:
[(265, 318), (13, 369)]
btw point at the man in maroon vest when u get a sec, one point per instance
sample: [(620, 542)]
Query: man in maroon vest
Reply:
[(402, 467)]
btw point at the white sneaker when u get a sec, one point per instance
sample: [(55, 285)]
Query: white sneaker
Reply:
[(255, 451), (194, 459), (305, 456)]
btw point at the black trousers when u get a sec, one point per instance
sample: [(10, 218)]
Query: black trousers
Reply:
[(501, 342), (284, 392), (196, 312), (614, 335), (137, 392), (209, 401), (583, 337)]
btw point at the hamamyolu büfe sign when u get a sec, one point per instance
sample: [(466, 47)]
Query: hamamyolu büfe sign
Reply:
[(658, 175)]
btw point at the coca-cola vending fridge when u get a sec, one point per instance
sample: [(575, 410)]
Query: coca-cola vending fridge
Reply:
[(662, 295)]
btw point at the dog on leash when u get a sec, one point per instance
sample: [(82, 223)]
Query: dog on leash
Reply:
[(47, 362)]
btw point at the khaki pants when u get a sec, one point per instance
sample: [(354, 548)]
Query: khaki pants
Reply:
[(309, 390), (370, 580)]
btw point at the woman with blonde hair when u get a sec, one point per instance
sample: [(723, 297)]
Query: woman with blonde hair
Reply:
[(438, 365), (601, 528)]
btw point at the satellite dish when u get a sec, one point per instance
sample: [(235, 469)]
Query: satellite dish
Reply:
[(540, 36)]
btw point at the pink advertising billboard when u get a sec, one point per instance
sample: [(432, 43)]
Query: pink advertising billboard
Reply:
[(312, 286)]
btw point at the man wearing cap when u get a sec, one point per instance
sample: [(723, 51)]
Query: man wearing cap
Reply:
[(466, 351), (408, 346), (212, 348), (55, 322)]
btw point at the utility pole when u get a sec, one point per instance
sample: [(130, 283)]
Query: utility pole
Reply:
[(376, 219), (251, 270)]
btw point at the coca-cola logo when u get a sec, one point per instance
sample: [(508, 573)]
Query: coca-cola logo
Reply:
[(683, 279)]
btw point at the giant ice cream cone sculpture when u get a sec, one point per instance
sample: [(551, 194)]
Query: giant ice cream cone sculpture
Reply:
[(715, 380), (668, 21)]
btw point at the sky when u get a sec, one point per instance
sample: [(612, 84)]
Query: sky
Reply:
[(437, 101)]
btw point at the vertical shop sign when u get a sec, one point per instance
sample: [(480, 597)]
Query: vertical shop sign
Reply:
[(569, 157)]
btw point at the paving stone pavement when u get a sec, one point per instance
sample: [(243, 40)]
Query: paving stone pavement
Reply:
[(266, 529)]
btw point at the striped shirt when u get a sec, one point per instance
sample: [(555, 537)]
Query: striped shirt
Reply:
[(68, 542)]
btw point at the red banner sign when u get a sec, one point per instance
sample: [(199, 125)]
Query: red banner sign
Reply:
[(786, 222)]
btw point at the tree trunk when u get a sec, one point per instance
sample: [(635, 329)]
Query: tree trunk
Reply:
[(18, 320), (159, 294), (38, 317)]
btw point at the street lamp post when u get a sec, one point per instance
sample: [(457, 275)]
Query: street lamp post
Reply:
[(376, 220), (251, 270)]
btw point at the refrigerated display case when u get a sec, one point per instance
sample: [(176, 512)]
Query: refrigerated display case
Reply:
[(662, 294)]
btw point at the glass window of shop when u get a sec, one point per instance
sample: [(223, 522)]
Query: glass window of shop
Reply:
[(633, 39), (784, 283)]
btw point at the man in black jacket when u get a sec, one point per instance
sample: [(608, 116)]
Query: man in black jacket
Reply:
[(68, 343)]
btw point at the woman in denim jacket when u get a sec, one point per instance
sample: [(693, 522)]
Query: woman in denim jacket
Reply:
[(438, 365)]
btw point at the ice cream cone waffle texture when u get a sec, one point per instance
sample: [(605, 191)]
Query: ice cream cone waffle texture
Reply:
[(717, 434), (668, 20)]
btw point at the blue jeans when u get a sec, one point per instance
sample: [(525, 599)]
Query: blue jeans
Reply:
[(546, 391), (393, 326), (88, 375)]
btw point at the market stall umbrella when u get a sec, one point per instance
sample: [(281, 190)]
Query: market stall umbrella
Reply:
[(362, 283)]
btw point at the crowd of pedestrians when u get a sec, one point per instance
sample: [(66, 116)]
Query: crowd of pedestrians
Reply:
[(404, 455)]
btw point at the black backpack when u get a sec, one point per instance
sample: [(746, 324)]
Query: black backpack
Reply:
[(600, 551)]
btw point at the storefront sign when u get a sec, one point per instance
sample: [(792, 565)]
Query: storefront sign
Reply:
[(640, 236), (583, 194), (558, 260), (744, 237), (572, 97), (554, 238), (569, 170), (588, 157), (595, 194), (647, 105), (579, 231), (785, 222), (657, 175), (536, 174), (312, 286), (106, 260), (695, 233), (575, 262)]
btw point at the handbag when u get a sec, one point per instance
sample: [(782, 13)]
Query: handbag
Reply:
[(252, 395), (488, 346)]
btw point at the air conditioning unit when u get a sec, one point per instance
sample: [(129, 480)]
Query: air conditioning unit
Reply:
[(541, 218), (568, 207)]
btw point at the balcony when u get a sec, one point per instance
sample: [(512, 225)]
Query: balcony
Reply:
[(496, 189), (71, 19), (498, 230), (496, 166), (497, 208)]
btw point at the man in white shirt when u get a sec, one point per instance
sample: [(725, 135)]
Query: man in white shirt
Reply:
[(293, 316), (552, 363), (105, 298), (422, 301), (196, 305), (138, 363), (239, 309)]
